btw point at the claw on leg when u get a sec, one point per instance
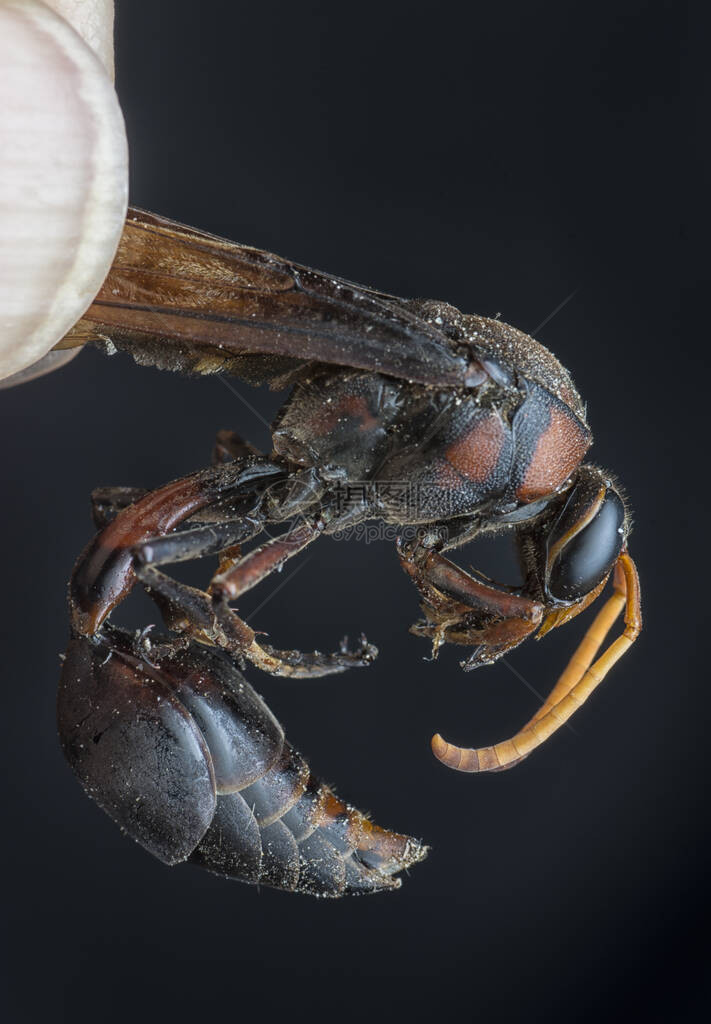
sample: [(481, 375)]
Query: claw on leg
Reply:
[(460, 608), (194, 613), (581, 676), (311, 665)]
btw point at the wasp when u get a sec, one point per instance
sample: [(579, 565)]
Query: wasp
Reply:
[(445, 425)]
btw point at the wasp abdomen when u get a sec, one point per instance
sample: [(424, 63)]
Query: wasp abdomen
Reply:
[(184, 755)]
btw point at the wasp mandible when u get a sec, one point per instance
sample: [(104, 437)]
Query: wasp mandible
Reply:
[(407, 411)]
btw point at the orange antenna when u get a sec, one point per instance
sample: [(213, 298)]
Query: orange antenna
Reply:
[(582, 675)]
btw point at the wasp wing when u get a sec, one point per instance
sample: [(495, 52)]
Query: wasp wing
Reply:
[(183, 299)]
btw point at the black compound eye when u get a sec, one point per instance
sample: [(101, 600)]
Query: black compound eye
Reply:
[(586, 559)]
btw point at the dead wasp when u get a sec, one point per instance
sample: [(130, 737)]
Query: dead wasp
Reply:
[(407, 411)]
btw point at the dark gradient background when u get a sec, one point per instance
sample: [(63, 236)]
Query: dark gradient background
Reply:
[(501, 157)]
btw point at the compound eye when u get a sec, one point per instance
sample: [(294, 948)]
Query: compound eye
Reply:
[(582, 558)]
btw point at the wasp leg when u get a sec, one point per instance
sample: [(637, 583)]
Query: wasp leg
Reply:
[(463, 609), (107, 502), (251, 569), (193, 612), (198, 542), (581, 677), (312, 664), (104, 573)]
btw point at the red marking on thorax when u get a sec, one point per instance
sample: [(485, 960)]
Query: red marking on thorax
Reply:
[(559, 451), (475, 455)]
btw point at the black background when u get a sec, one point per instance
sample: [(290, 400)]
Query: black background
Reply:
[(501, 157)]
